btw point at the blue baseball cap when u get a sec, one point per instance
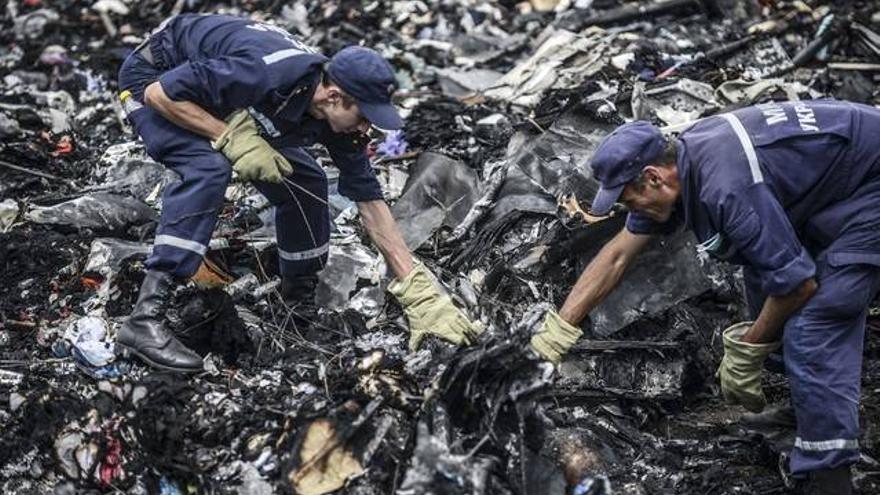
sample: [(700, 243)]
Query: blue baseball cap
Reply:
[(369, 79), (620, 158)]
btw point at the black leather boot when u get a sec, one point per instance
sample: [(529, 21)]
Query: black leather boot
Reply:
[(298, 294), (299, 290), (144, 335), (773, 417), (837, 481)]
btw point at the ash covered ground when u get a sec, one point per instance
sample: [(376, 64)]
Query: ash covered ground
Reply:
[(505, 103)]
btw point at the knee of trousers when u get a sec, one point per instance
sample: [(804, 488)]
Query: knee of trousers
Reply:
[(313, 182), (830, 321), (190, 206), (844, 291), (823, 351), (836, 306), (213, 172), (306, 187), (307, 173)]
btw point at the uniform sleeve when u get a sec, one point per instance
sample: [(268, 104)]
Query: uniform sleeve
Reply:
[(757, 226), (357, 181), (225, 82), (640, 224)]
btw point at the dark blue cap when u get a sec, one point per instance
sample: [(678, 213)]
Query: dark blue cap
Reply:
[(369, 79), (620, 158)]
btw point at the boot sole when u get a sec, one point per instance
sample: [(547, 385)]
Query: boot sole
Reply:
[(130, 351)]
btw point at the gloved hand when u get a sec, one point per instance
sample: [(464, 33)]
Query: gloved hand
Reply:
[(740, 370), (430, 311), (555, 337), (251, 156)]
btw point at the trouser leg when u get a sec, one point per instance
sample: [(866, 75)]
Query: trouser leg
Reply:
[(189, 206), (189, 212), (823, 356), (302, 217)]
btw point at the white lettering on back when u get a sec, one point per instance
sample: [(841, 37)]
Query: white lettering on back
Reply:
[(806, 117), (774, 113), (268, 28)]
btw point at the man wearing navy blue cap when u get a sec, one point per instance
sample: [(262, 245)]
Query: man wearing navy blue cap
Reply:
[(789, 191), (210, 94)]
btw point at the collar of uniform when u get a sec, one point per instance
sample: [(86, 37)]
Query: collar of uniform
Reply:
[(689, 189), (296, 102)]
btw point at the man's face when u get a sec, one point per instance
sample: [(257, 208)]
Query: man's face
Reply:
[(653, 195), (344, 116)]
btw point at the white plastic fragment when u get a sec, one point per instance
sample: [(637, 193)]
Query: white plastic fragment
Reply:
[(10, 378)]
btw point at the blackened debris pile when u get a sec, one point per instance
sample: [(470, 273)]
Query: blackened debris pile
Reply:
[(505, 103)]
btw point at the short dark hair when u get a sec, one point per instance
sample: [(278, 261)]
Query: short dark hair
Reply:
[(667, 159), (670, 153)]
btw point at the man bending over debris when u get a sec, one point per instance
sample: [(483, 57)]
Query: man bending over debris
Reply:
[(209, 94), (790, 191)]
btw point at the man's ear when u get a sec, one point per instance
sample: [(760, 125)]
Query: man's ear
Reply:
[(653, 176), (334, 95)]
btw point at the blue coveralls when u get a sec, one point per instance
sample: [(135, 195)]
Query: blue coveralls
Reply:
[(791, 191), (224, 64)]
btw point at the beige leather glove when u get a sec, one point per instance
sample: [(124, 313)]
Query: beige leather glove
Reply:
[(251, 156), (430, 311), (555, 337), (740, 370)]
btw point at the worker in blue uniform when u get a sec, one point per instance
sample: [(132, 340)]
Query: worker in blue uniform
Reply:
[(213, 94), (790, 191)]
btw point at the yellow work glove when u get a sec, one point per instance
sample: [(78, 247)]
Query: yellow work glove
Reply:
[(741, 366), (555, 337), (430, 311), (251, 156)]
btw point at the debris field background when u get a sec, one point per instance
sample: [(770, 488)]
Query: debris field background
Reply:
[(505, 103)]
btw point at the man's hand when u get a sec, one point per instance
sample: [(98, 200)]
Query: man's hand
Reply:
[(555, 337), (740, 370), (431, 312), (251, 156)]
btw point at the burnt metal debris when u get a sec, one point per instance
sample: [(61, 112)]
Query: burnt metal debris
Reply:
[(505, 102)]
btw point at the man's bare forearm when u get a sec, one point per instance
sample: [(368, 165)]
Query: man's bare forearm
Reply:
[(602, 275), (776, 311), (383, 230), (186, 114)]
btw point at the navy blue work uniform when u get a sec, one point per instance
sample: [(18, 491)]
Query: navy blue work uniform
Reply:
[(223, 64), (790, 190)]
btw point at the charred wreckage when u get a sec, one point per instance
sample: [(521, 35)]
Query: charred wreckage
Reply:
[(504, 104)]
